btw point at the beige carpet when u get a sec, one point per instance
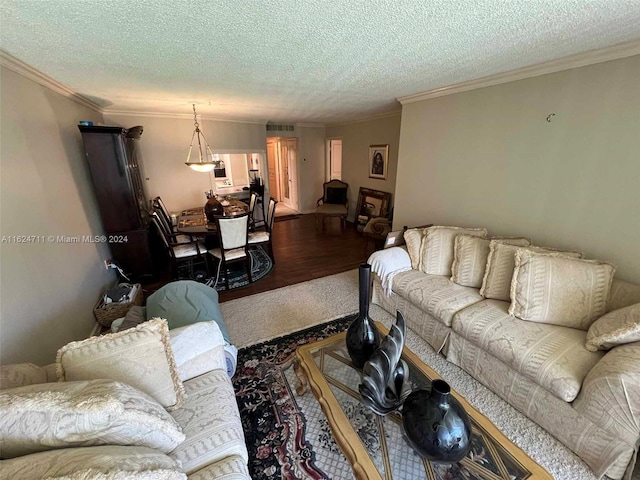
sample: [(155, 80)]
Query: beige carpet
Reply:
[(267, 315), (271, 314)]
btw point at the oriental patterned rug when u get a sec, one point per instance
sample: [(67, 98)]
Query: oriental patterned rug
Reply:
[(287, 435)]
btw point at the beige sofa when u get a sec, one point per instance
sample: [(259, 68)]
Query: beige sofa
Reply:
[(588, 400), (213, 445)]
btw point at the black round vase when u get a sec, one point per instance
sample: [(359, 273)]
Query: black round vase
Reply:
[(212, 209), (363, 337), (436, 425)]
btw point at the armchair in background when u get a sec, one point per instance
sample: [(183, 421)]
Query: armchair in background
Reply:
[(333, 203)]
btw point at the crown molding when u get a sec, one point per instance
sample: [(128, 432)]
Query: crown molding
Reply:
[(573, 61), (379, 116), (18, 66), (310, 125), (181, 116)]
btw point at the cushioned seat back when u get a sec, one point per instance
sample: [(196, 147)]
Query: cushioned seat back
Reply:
[(622, 295), (335, 192), (185, 302)]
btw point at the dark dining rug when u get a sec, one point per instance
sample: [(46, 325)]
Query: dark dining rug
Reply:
[(261, 266)]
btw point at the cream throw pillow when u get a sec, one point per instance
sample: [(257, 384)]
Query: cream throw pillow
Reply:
[(615, 328), (501, 262), (436, 252), (140, 357), (570, 292), (74, 414), (97, 463), (198, 349), (413, 240), (470, 255)]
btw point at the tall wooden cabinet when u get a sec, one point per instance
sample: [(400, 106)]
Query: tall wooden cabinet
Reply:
[(120, 192)]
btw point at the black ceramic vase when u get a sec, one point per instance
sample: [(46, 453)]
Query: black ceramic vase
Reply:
[(212, 209), (436, 425), (363, 337)]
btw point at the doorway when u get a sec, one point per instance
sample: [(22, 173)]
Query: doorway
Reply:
[(334, 159), (282, 160)]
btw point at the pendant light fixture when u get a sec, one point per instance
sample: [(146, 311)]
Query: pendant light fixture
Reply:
[(202, 165)]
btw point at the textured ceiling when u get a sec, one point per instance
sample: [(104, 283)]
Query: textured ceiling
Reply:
[(299, 60)]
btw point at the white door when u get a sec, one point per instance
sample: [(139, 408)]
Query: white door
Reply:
[(289, 172), (335, 159)]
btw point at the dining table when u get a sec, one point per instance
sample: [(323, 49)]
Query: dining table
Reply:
[(193, 221)]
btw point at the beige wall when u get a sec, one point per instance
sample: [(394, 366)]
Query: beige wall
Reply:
[(489, 158), (47, 290), (165, 144), (310, 166), (356, 138)]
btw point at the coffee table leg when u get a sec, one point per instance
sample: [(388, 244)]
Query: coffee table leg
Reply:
[(302, 384)]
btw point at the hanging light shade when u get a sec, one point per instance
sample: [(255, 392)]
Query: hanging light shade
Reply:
[(202, 165)]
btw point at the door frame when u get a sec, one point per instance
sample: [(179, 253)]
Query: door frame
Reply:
[(327, 163), (294, 190)]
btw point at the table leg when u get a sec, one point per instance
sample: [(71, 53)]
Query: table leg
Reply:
[(302, 384)]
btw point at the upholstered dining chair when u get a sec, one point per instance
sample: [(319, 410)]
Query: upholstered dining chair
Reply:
[(266, 237), (164, 216), (233, 232), (333, 203), (180, 252)]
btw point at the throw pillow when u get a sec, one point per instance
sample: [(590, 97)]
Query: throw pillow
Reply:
[(185, 302), (570, 292), (102, 463), (197, 349), (436, 252), (496, 282), (134, 317), (75, 414), (413, 240), (140, 357), (470, 255), (615, 328)]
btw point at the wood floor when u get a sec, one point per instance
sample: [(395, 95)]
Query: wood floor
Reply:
[(303, 253)]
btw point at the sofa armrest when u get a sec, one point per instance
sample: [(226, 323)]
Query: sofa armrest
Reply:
[(610, 394), (388, 262), (22, 374)]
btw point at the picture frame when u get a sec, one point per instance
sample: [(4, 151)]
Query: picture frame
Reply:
[(378, 161)]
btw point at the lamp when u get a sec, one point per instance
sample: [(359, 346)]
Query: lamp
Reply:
[(201, 165)]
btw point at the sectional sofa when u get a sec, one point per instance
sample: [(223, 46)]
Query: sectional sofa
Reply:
[(551, 333), (142, 403)]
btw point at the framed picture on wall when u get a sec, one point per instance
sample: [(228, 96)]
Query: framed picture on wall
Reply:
[(378, 161)]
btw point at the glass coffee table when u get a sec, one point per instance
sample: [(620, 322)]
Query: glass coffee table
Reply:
[(375, 445)]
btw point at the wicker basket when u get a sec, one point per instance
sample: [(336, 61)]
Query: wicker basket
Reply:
[(106, 313)]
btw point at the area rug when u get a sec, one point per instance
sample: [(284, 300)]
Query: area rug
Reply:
[(288, 437), (272, 419), (261, 266)]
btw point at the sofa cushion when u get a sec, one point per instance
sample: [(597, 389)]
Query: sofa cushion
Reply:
[(197, 349), (434, 294), (622, 295), (21, 374), (571, 292), (211, 422), (140, 357), (615, 328), (413, 240), (501, 263), (470, 258), (229, 468), (437, 248), (75, 414), (103, 463), (554, 357)]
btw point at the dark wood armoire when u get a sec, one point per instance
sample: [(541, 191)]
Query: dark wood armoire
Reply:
[(116, 172)]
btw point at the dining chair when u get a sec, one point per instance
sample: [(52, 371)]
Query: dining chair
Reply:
[(180, 253), (159, 206), (167, 228), (233, 233), (253, 201), (266, 237)]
